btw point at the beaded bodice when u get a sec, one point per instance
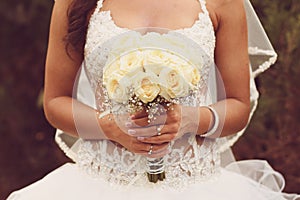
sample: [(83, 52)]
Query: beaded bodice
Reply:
[(188, 161)]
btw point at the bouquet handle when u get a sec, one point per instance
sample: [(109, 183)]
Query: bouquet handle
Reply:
[(156, 169)]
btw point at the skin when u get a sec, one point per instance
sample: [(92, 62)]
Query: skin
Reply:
[(231, 57)]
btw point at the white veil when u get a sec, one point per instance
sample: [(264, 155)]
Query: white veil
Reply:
[(262, 56)]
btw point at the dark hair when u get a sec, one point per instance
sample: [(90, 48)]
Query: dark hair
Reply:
[(78, 17)]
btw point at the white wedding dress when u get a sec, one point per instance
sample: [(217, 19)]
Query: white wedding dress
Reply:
[(103, 170)]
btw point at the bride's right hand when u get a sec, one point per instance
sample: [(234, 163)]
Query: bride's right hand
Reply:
[(118, 133)]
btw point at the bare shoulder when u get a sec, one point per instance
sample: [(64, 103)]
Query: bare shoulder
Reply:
[(225, 4), (62, 6), (63, 2), (224, 10), (59, 15)]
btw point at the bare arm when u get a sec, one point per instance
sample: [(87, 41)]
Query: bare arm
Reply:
[(61, 71), (231, 57)]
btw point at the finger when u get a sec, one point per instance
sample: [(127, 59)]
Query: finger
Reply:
[(156, 148), (158, 120), (170, 107), (139, 114), (140, 122), (157, 155), (166, 137), (148, 131), (144, 149)]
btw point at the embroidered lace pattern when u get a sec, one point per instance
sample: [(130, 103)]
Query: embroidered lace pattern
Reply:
[(188, 161), (183, 166)]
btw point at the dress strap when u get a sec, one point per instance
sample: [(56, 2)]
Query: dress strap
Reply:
[(203, 6), (99, 5)]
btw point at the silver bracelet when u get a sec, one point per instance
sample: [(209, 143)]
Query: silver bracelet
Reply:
[(216, 122)]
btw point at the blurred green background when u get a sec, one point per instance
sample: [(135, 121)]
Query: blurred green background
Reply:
[(27, 147)]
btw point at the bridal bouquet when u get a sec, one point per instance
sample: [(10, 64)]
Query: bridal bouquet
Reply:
[(145, 77)]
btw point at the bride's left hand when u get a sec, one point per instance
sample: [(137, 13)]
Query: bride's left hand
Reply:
[(165, 128)]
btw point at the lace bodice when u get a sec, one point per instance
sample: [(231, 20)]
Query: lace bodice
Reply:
[(188, 161)]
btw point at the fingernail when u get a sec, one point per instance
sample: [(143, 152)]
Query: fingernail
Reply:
[(128, 124), (131, 132), (140, 138)]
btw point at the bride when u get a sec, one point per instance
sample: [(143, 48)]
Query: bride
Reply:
[(182, 152)]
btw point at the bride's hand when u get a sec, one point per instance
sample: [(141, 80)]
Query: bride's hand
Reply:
[(121, 135), (166, 128)]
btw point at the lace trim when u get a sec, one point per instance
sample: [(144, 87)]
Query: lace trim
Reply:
[(99, 5), (101, 159), (266, 65), (203, 6), (64, 147)]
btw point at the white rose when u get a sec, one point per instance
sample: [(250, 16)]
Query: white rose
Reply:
[(191, 74), (173, 84), (175, 60), (109, 69), (131, 62), (146, 86), (117, 88), (155, 60), (186, 69), (126, 65)]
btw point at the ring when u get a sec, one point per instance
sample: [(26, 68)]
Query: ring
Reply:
[(150, 150), (158, 130)]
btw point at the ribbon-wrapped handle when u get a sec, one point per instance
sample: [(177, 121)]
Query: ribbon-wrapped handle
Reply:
[(156, 169)]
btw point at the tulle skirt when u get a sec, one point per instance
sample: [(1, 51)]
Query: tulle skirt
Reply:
[(243, 180)]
